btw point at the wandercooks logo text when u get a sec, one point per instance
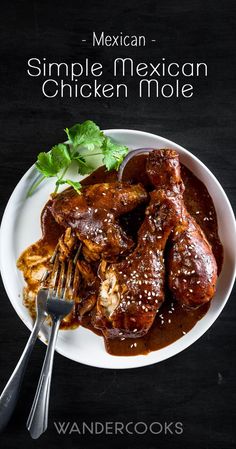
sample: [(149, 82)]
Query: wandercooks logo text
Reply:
[(118, 428)]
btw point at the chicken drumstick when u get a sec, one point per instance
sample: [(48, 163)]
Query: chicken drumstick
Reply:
[(133, 290), (192, 269)]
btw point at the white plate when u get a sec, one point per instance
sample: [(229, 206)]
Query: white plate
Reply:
[(21, 227)]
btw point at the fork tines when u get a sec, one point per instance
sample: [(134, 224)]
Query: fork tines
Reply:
[(62, 278)]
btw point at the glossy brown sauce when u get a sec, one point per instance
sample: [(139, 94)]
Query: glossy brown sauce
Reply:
[(172, 321)]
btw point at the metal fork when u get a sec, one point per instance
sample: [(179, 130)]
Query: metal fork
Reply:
[(59, 304), (11, 391)]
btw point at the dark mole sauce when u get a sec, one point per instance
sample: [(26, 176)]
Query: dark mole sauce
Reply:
[(172, 321)]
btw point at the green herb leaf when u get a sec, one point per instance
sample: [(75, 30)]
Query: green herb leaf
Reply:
[(56, 162), (51, 163), (88, 135), (83, 167), (60, 156), (113, 154), (76, 185), (46, 165)]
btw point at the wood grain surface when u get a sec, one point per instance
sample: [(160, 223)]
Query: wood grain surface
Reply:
[(196, 387)]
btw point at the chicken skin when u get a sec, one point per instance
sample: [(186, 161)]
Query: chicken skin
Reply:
[(132, 291), (94, 214), (191, 265)]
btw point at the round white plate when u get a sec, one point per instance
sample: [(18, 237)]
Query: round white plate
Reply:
[(21, 227)]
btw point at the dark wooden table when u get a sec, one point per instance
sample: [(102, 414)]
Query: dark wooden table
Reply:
[(196, 387)]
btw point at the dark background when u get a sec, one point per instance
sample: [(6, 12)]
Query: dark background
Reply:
[(197, 386)]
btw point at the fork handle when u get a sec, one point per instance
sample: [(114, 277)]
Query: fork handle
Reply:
[(38, 418), (9, 396)]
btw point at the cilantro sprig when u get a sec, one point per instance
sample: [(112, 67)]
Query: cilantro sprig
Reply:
[(85, 141)]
